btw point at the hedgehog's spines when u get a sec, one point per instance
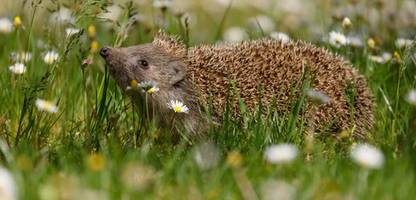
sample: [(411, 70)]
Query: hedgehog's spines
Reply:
[(173, 45), (276, 65)]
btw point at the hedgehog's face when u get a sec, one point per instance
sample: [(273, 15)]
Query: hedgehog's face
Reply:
[(144, 63)]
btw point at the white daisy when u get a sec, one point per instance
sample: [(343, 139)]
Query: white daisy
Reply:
[(383, 59), (8, 190), (71, 31), (21, 56), (377, 59), (279, 36), (235, 34), (44, 105), (62, 16), (411, 97), (281, 153), (367, 156), (163, 4), (403, 43), (177, 106), (50, 57), (337, 39), (318, 96), (148, 87), (6, 25), (355, 41), (18, 68)]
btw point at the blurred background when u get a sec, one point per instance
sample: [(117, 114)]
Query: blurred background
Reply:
[(209, 20), (64, 121)]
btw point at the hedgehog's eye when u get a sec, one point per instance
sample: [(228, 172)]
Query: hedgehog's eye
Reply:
[(143, 63)]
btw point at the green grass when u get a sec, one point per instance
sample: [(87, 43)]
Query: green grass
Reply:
[(96, 144)]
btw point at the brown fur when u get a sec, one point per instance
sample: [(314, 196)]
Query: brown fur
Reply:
[(262, 70)]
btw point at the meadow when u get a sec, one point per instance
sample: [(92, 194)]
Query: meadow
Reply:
[(68, 132)]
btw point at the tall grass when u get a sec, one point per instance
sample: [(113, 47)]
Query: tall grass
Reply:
[(97, 146)]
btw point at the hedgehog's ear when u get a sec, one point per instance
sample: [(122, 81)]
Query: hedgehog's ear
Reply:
[(171, 44)]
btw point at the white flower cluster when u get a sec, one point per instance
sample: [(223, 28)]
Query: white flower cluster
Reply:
[(18, 68), (8, 190), (178, 106), (6, 25), (281, 153), (47, 106), (367, 156), (411, 97), (50, 57), (403, 43), (21, 58), (381, 59), (338, 40), (280, 36), (150, 87)]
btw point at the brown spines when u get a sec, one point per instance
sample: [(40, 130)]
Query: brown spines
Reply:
[(267, 69), (171, 45)]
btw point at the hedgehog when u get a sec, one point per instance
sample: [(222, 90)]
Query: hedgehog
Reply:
[(264, 73)]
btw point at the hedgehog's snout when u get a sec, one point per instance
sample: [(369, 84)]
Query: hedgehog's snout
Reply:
[(105, 51), (110, 55)]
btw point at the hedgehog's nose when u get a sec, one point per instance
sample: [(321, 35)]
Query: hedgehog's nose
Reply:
[(105, 51)]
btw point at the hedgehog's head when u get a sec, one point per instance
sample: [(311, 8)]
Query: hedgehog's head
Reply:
[(160, 62)]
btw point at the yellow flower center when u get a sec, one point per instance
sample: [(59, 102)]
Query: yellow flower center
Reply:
[(177, 108), (96, 162), (397, 56), (94, 46), (133, 85), (92, 32), (234, 159), (17, 21), (48, 106), (371, 43), (151, 90)]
